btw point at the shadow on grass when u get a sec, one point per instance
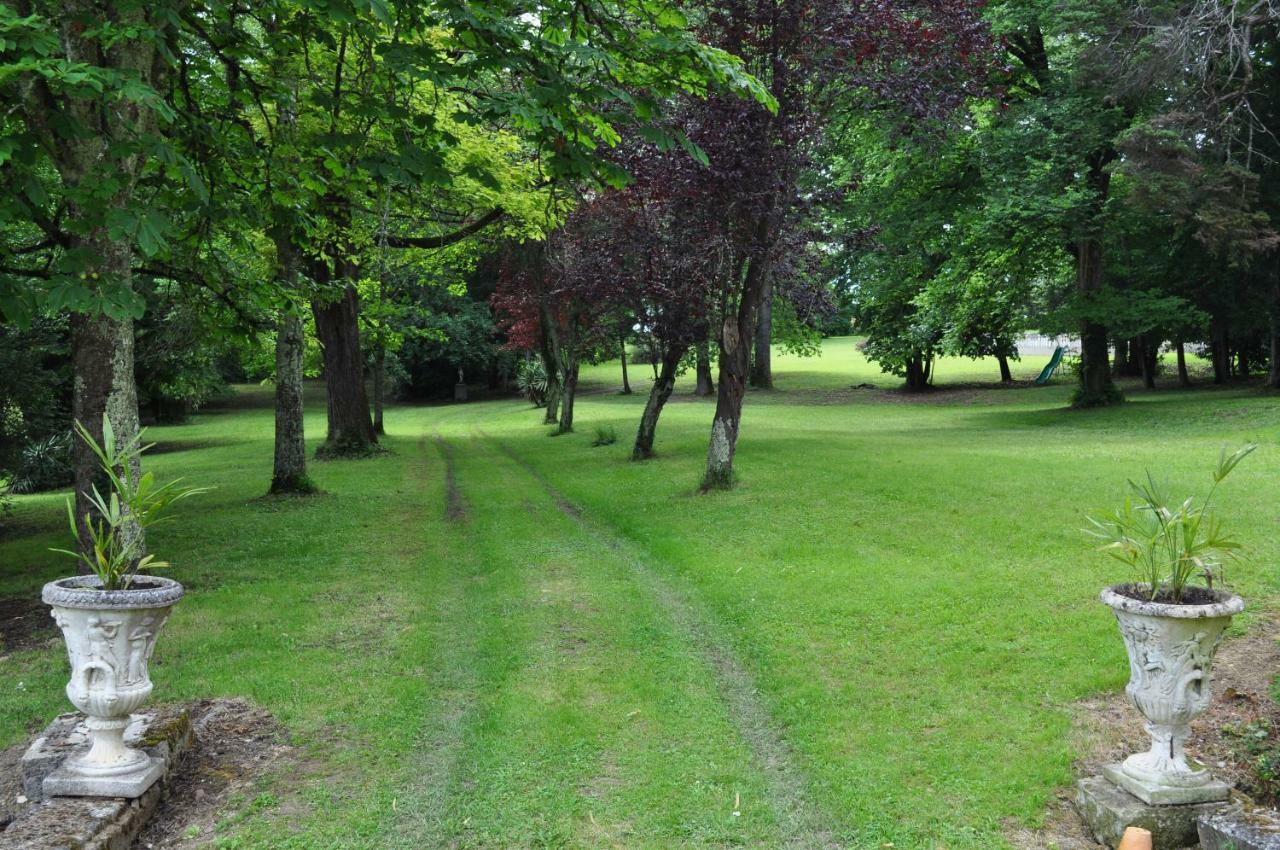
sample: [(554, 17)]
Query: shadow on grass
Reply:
[(168, 447)]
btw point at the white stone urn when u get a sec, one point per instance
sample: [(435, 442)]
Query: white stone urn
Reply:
[(110, 635), (1171, 649)]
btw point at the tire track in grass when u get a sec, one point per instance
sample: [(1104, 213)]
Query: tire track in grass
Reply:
[(438, 752), (803, 826), (455, 509)]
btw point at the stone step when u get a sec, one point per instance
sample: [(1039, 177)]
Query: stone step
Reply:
[(92, 823)]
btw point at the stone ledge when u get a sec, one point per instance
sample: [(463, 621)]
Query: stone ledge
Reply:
[(92, 823), (1252, 829), (1109, 810), (163, 733)]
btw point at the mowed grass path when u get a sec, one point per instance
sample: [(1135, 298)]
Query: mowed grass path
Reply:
[(876, 638)]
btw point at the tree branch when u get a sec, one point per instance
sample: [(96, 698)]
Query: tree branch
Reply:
[(447, 238)]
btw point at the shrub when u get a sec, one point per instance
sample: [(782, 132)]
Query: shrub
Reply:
[(45, 464), (604, 435), (531, 378)]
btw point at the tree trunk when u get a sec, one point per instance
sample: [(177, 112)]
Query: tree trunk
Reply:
[(918, 370), (762, 366), (567, 397), (99, 143), (1096, 387), (1273, 376), (735, 340), (551, 413), (705, 386), (1120, 362), (1006, 376), (626, 382), (550, 364), (1221, 351), (379, 386), (289, 474), (1147, 362), (338, 328), (102, 364), (658, 396), (1184, 379), (1242, 358)]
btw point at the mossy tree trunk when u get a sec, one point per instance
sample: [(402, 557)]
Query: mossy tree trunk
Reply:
[(102, 364), (736, 336), (96, 143), (289, 473)]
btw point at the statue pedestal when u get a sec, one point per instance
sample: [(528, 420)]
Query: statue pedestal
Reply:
[(1109, 810)]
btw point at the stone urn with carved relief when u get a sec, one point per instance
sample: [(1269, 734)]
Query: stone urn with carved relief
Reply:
[(110, 636), (1171, 648)]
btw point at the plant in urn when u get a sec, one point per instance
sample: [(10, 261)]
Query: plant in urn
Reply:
[(110, 619), (1171, 629)]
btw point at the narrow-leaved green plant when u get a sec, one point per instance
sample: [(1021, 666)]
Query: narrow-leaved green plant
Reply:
[(1168, 544), (116, 557)]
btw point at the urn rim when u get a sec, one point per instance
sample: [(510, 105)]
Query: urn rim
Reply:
[(1227, 604), (84, 592)]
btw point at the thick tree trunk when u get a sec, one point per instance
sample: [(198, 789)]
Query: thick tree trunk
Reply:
[(762, 365), (622, 350), (338, 328), (705, 386), (1184, 379), (102, 364), (1096, 387), (567, 397), (1221, 351), (918, 370), (1242, 359), (105, 154), (1006, 376), (289, 474), (658, 396)]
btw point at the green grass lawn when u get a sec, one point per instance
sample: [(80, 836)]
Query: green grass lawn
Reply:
[(875, 638)]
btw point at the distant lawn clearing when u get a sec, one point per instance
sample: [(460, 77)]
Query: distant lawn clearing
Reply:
[(876, 638)]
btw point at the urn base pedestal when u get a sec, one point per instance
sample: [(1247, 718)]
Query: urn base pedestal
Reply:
[(1109, 810), (1155, 794), (66, 781)]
